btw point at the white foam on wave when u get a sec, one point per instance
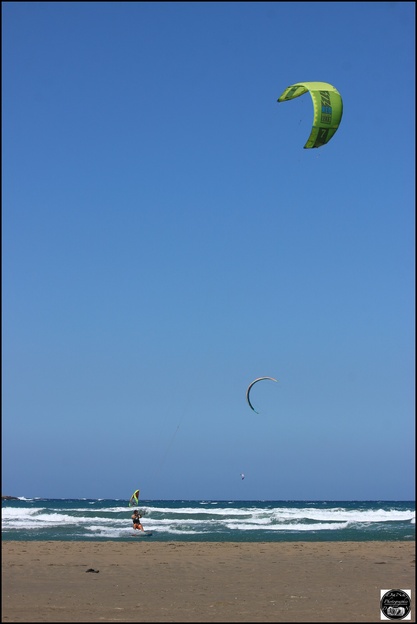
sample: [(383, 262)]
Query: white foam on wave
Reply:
[(336, 514), (37, 520), (8, 513), (341, 514), (182, 532), (193, 511), (319, 526)]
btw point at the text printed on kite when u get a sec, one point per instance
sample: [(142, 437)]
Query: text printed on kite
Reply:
[(328, 109), (250, 387)]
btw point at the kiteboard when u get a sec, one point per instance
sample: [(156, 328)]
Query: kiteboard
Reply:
[(142, 533)]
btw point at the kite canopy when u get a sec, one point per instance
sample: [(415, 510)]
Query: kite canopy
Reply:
[(249, 389), (134, 499), (328, 109)]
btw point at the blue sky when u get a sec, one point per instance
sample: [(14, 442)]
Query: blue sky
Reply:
[(166, 239)]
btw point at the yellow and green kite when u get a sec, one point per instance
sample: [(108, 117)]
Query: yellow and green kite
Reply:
[(328, 109), (134, 499)]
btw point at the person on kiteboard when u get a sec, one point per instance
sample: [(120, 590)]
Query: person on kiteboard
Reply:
[(136, 520)]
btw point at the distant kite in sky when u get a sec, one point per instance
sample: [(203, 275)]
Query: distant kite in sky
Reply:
[(328, 109), (250, 387), (242, 476)]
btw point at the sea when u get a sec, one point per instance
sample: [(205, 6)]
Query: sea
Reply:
[(98, 520)]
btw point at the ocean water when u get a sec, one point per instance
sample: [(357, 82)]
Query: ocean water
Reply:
[(209, 521)]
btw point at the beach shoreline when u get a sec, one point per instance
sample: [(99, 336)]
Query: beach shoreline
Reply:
[(145, 581)]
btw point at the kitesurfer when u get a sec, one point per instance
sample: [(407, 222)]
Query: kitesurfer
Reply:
[(136, 520)]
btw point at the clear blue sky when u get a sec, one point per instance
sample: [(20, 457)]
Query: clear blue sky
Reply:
[(166, 239)]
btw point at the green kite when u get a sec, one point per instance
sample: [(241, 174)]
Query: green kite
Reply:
[(328, 109)]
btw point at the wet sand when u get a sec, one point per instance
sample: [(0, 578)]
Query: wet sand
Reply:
[(145, 581)]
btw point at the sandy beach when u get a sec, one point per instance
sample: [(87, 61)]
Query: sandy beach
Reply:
[(145, 581)]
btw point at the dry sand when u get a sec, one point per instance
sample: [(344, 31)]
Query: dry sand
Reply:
[(145, 581)]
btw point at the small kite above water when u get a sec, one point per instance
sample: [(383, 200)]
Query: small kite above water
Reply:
[(134, 499), (250, 387), (328, 109)]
